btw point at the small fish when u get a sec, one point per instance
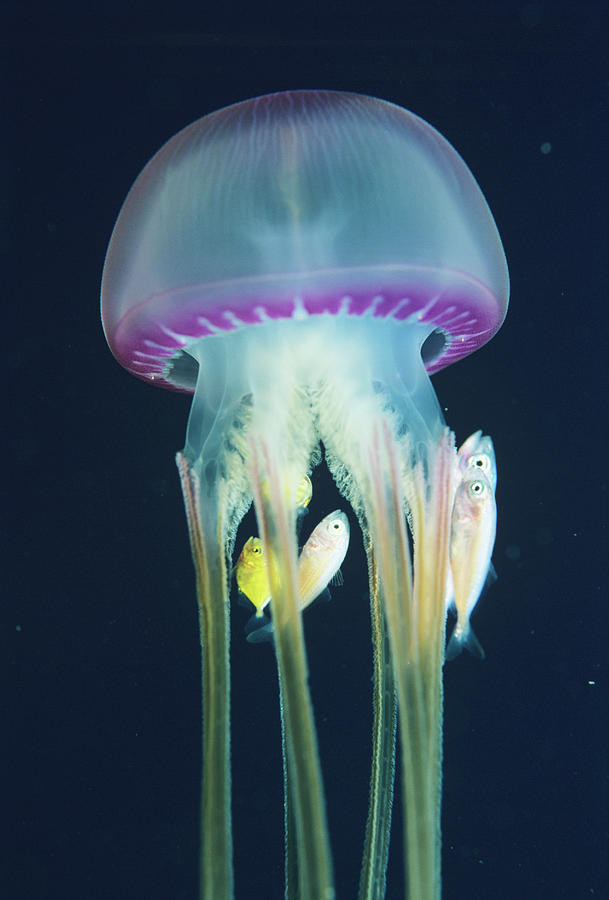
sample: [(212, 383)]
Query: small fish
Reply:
[(474, 523), (300, 495), (250, 573), (304, 492), (322, 556), (478, 453), (319, 562)]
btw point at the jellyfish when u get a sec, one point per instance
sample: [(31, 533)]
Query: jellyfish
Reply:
[(301, 263)]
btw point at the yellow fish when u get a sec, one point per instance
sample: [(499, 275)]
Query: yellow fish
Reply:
[(250, 573), (301, 496), (304, 492), (250, 570)]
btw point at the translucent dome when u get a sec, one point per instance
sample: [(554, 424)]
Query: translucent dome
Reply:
[(293, 205)]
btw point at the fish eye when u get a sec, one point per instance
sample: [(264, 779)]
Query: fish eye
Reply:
[(336, 525), (480, 462), (477, 488), (256, 549)]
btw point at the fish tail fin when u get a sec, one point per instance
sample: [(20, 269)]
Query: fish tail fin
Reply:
[(259, 629), (261, 635), (463, 637)]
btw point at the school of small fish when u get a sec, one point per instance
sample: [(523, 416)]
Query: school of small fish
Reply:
[(473, 529), (319, 562)]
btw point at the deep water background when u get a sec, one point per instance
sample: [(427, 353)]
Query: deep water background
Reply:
[(100, 666)]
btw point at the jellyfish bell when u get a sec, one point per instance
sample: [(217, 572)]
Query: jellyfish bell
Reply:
[(301, 262), (295, 205)]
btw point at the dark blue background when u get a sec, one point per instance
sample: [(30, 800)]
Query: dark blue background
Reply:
[(101, 682)]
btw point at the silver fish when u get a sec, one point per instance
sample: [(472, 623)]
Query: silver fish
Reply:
[(474, 524), (477, 453)]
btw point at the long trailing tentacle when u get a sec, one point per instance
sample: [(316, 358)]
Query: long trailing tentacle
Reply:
[(305, 804), (376, 843), (208, 543)]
